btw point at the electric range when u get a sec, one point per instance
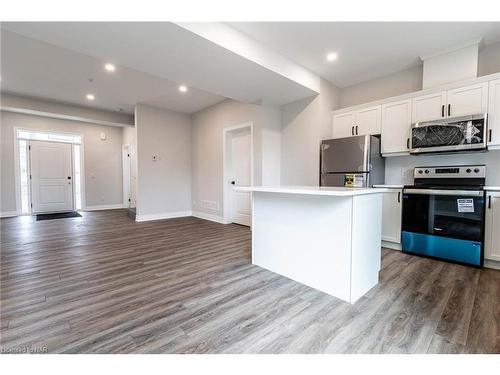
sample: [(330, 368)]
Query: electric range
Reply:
[(443, 214)]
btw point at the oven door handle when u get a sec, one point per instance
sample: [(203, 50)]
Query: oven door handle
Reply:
[(462, 193)]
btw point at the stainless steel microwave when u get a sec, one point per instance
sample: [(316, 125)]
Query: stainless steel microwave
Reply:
[(466, 133)]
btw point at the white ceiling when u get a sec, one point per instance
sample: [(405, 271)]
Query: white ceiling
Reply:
[(366, 50), (161, 49), (34, 68)]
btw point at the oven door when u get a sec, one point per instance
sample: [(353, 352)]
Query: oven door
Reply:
[(446, 224)]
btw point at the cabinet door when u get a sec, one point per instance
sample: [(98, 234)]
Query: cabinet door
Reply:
[(469, 100), (396, 122), (494, 114), (391, 216), (368, 121), (343, 125), (492, 235), (429, 107)]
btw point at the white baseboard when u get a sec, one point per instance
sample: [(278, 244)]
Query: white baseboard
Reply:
[(488, 263), (8, 214), (161, 216), (104, 207), (391, 245), (211, 217)]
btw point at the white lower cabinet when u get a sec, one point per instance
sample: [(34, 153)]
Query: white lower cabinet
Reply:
[(492, 235), (391, 216)]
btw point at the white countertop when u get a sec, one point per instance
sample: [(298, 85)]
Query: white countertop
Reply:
[(389, 186), (492, 188), (312, 190)]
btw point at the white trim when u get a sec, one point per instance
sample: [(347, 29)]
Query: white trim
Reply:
[(162, 216), (9, 214), (62, 116), (226, 192), (210, 217), (103, 207), (391, 245), (488, 263), (18, 171)]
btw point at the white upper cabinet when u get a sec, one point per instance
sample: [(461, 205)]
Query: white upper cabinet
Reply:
[(368, 121), (363, 122), (343, 125), (494, 114), (492, 234), (469, 100), (429, 107), (462, 101), (396, 123)]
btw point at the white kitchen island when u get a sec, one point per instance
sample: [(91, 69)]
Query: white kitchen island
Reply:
[(325, 237)]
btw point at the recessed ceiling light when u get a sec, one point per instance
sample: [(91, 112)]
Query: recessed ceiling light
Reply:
[(183, 88), (331, 56), (110, 67), (90, 96)]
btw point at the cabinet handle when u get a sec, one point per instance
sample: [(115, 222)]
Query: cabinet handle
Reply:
[(408, 143), (449, 109), (442, 110), (489, 201), (352, 130), (399, 197), (489, 135), (356, 129)]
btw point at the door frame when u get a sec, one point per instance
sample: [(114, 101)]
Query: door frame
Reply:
[(17, 167), (127, 177), (227, 203)]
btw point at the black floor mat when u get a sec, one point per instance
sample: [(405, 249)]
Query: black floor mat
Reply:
[(61, 215)]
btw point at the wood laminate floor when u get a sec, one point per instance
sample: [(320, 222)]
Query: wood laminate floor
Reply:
[(106, 284)]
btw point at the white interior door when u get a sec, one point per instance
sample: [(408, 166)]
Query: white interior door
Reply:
[(51, 176), (127, 198), (241, 170)]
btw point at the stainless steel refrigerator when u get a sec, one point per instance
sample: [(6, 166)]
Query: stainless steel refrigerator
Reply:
[(352, 161)]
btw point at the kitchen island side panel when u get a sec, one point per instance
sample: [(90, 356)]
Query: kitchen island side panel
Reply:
[(306, 238), (366, 243)]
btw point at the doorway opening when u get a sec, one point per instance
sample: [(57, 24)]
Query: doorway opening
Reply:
[(238, 171), (49, 171)]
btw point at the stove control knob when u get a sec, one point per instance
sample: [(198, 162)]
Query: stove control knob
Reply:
[(420, 171), (476, 170), (426, 171), (469, 170)]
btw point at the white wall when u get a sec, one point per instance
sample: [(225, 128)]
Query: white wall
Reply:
[(410, 80), (102, 159), (163, 186), (395, 166), (304, 124), (207, 153)]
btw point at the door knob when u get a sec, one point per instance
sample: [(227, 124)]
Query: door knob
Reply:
[(233, 182), (69, 177)]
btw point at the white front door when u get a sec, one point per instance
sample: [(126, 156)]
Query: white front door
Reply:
[(241, 176), (51, 176)]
